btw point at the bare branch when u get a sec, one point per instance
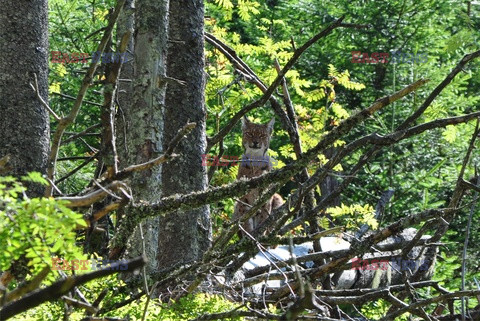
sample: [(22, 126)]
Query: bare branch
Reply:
[(28, 287), (62, 287), (63, 123), (438, 89), (415, 305), (93, 197), (44, 103), (167, 155)]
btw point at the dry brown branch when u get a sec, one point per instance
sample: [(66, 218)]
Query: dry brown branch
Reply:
[(104, 211), (167, 155), (107, 115), (44, 103), (79, 304), (422, 303), (64, 122), (62, 287), (93, 197), (27, 287)]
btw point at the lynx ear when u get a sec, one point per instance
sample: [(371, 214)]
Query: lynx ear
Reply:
[(245, 121), (270, 124)]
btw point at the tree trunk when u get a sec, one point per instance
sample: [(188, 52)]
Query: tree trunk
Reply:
[(141, 117), (185, 235), (24, 122)]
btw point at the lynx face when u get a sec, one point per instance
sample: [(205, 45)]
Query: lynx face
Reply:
[(256, 137)]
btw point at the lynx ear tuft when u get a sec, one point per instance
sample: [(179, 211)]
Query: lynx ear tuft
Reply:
[(245, 121), (270, 124)]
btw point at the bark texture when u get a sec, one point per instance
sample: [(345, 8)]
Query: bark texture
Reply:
[(24, 122), (185, 235), (141, 115)]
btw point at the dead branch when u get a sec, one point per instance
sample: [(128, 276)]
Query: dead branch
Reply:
[(377, 141), (93, 197), (27, 287), (73, 98), (306, 302), (44, 103), (107, 115), (167, 155), (359, 247), (79, 304), (62, 287), (79, 167), (421, 303), (238, 313), (64, 122), (82, 133), (438, 89)]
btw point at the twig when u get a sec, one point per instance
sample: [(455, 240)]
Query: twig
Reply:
[(28, 287), (73, 98), (378, 141), (44, 103), (80, 134), (80, 304), (359, 247), (239, 313), (262, 250), (123, 303), (76, 169), (413, 306), (105, 210)]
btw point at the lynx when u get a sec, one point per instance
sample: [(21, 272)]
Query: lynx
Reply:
[(255, 162)]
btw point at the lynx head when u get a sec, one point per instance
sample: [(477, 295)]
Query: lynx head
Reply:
[(256, 137)]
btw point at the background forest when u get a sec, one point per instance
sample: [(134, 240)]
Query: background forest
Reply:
[(429, 169)]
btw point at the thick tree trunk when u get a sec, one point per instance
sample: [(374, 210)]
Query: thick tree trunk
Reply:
[(184, 236), (24, 122), (141, 116)]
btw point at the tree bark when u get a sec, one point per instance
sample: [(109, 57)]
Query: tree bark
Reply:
[(24, 121), (185, 235), (141, 117)]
